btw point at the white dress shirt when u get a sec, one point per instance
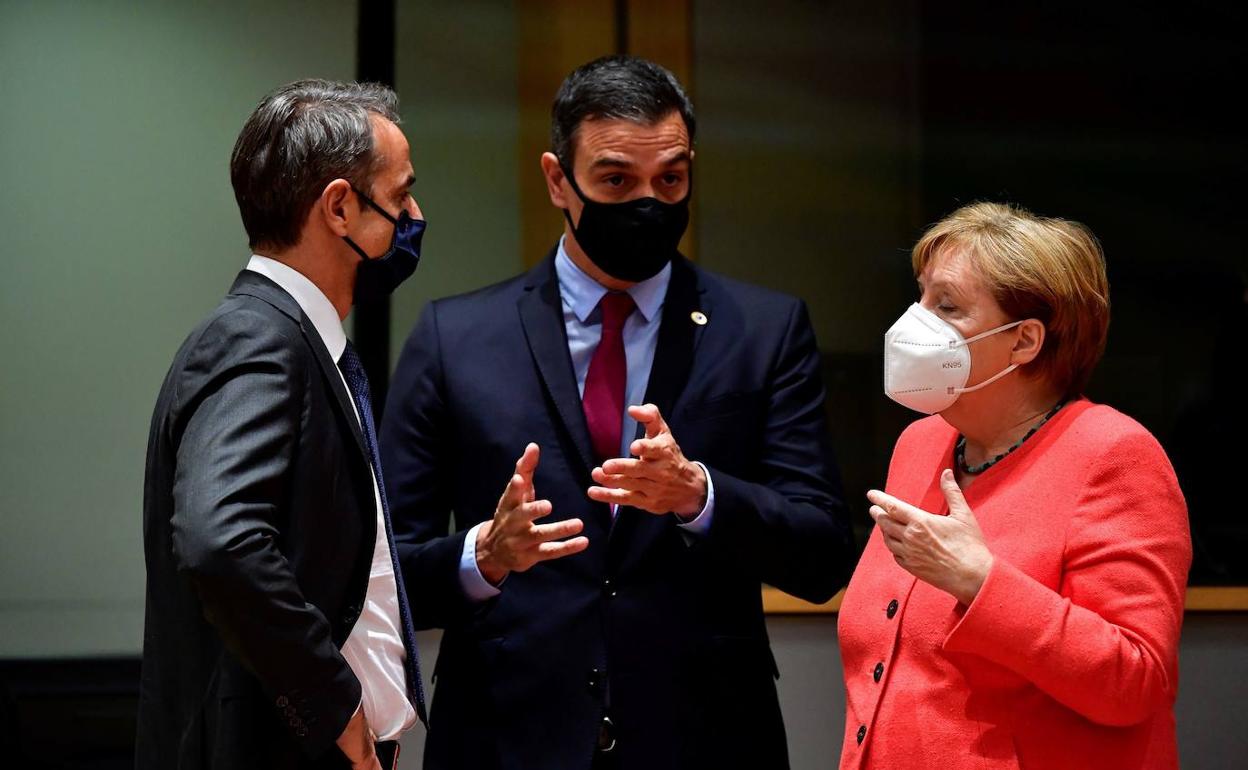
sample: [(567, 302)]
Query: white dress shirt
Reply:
[(374, 650), (583, 321)]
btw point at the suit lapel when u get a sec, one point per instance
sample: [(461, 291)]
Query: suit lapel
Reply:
[(541, 313), (255, 285), (679, 336), (330, 369), (678, 339)]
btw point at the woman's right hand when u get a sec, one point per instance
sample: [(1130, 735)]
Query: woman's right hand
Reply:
[(947, 552)]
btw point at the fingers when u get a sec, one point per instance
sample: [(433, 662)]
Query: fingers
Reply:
[(649, 416), (544, 542), (536, 509), (898, 510), (518, 545), (889, 527), (514, 494), (558, 530), (635, 498), (622, 466), (519, 487), (621, 472), (557, 550), (528, 461), (953, 495), (661, 447), (876, 512)]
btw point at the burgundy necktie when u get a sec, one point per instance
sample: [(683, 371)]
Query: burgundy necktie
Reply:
[(603, 400)]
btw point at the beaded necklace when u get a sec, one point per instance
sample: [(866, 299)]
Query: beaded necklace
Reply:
[(959, 451)]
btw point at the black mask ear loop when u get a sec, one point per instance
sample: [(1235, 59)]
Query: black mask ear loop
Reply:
[(567, 214), (376, 208)]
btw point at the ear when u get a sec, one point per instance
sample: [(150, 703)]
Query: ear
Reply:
[(553, 173), (1029, 343), (336, 206)]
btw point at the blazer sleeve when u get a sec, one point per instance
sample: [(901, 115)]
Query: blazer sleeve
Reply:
[(414, 433), (788, 521), (1106, 643), (241, 397)]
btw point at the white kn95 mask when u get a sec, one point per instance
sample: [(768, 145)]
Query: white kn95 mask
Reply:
[(927, 362)]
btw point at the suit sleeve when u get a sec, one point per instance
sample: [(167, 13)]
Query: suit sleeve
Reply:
[(1106, 643), (787, 522), (242, 394), (414, 434)]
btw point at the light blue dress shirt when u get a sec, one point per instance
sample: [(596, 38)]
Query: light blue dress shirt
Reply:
[(583, 321)]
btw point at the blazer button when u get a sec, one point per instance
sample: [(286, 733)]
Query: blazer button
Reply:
[(282, 701), (892, 609), (878, 672), (862, 733), (302, 732), (597, 682)]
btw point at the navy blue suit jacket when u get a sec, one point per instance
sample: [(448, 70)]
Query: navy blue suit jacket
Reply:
[(670, 632)]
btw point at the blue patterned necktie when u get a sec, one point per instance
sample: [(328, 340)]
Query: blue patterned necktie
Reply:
[(357, 381)]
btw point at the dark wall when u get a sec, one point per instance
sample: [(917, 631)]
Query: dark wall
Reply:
[(1122, 116)]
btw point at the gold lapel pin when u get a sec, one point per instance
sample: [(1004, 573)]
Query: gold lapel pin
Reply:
[(699, 317)]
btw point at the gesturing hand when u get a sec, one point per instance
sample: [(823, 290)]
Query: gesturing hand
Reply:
[(947, 552), (660, 480), (511, 541)]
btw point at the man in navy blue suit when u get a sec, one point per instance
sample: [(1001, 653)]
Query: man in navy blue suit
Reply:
[(605, 611)]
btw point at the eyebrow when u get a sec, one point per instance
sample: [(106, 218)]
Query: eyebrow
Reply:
[(681, 156), (939, 285), (610, 163)]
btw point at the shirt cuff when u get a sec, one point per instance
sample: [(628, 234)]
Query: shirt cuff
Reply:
[(700, 525), (475, 586)]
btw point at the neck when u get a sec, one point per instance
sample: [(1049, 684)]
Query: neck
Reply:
[(323, 267), (582, 260), (992, 426)]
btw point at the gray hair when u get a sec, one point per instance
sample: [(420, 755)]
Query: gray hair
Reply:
[(300, 138)]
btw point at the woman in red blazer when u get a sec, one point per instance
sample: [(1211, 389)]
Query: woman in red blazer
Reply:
[(1019, 601)]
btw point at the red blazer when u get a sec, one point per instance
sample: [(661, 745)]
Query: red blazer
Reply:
[(1068, 657)]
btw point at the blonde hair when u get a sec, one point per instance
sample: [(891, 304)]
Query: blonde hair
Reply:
[(1045, 268)]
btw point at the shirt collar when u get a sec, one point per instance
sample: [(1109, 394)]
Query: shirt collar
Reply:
[(315, 305), (582, 294)]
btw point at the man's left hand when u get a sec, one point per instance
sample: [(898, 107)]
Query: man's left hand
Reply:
[(659, 480)]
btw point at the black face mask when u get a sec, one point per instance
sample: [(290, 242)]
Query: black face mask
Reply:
[(376, 278), (633, 240)]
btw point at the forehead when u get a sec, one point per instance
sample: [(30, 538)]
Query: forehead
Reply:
[(390, 143), (952, 267), (613, 137)]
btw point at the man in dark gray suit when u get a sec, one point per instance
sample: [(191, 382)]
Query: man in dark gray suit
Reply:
[(277, 631)]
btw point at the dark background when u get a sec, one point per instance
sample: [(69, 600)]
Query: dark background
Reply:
[(1122, 116)]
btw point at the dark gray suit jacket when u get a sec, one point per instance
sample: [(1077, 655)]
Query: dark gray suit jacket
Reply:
[(259, 524)]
